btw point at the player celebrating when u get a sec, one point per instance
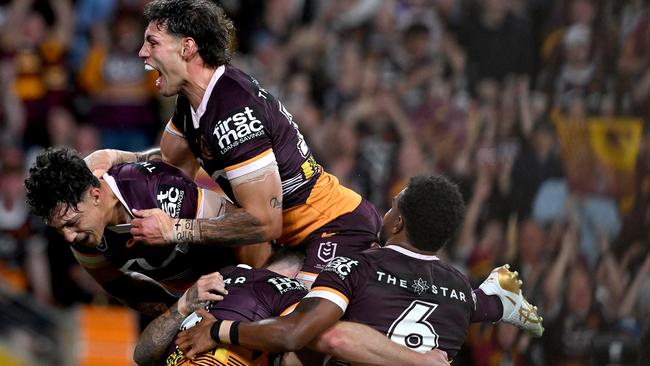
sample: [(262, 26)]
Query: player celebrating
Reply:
[(255, 294), (226, 123), (93, 215), (401, 289)]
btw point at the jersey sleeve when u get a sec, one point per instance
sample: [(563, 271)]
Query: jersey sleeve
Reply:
[(172, 129), (243, 141), (338, 281), (280, 294), (177, 124)]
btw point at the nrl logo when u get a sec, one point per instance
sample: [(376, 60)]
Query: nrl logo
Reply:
[(327, 251)]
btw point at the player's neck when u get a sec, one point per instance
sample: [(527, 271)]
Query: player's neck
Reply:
[(194, 88)]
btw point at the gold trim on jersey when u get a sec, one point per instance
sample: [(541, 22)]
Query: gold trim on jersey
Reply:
[(327, 200), (289, 310), (226, 355), (171, 128), (199, 203), (247, 166)]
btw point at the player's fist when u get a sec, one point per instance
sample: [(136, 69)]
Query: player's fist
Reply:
[(437, 357), (152, 227)]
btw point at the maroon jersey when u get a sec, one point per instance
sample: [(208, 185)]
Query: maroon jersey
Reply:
[(239, 128), (151, 185), (415, 299), (253, 294)]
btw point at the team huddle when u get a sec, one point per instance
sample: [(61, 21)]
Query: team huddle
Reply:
[(339, 282)]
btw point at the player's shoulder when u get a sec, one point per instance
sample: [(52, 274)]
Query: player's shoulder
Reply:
[(144, 170), (453, 271), (372, 256), (241, 88), (265, 281), (344, 266)]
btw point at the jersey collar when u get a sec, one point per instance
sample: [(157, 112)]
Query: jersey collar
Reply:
[(412, 254), (196, 115), (116, 190)]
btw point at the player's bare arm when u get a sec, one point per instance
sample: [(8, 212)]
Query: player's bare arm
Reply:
[(157, 336), (175, 151), (361, 344), (346, 341), (259, 219), (101, 160), (289, 333)]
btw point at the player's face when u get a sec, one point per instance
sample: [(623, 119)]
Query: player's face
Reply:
[(84, 226), (162, 51), (389, 221)]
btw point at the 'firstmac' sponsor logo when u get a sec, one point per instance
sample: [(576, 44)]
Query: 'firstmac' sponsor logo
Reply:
[(170, 199), (242, 125)]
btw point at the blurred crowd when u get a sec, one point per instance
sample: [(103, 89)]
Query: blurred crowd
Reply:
[(538, 109)]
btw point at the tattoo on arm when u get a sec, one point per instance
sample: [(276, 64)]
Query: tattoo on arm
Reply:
[(235, 228), (276, 203), (155, 339), (149, 155), (192, 299)]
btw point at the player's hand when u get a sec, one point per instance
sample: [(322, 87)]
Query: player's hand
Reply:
[(152, 226), (207, 288), (197, 339), (436, 357)]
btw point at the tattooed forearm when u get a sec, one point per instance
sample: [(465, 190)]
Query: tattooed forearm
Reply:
[(234, 228), (149, 155), (192, 299), (155, 339)]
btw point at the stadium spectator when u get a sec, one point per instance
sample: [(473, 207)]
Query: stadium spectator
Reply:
[(38, 50)]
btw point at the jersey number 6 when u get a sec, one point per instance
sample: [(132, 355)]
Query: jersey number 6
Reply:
[(412, 330)]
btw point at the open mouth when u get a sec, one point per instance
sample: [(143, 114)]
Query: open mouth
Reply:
[(159, 80)]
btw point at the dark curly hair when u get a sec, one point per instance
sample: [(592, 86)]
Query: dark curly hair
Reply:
[(433, 210), (59, 175), (203, 20)]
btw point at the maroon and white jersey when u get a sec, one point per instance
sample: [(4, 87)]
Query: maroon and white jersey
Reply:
[(415, 299), (256, 294), (239, 128), (150, 185), (253, 294)]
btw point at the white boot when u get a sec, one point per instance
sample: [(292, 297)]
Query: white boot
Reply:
[(516, 309)]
